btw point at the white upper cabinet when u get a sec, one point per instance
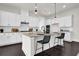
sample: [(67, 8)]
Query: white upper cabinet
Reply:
[(55, 21), (9, 19), (14, 20), (48, 21), (65, 21), (62, 21), (51, 21)]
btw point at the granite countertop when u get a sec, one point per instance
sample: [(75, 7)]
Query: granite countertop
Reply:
[(14, 32), (36, 34), (33, 34)]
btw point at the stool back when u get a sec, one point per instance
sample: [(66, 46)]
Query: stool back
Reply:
[(46, 38)]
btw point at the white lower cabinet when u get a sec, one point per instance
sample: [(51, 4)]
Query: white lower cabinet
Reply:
[(28, 45), (18, 38), (67, 37), (2, 39), (9, 38)]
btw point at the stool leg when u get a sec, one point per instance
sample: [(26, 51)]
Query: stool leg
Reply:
[(42, 47), (36, 47), (49, 44), (54, 41), (63, 42), (60, 41)]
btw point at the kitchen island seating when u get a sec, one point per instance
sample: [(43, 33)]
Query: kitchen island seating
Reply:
[(59, 38), (45, 40)]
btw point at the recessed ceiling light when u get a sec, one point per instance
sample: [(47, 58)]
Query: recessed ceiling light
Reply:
[(64, 6)]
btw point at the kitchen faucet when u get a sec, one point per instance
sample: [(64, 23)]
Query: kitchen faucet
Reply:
[(43, 28)]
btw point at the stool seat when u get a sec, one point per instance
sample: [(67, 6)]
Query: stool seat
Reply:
[(59, 37), (42, 42)]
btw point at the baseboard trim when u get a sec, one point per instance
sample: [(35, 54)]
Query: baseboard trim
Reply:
[(75, 41), (67, 41), (72, 41), (10, 44)]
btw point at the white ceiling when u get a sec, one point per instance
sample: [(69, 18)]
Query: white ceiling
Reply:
[(44, 9)]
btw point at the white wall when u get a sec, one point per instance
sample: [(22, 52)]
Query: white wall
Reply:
[(33, 20), (10, 8), (75, 22)]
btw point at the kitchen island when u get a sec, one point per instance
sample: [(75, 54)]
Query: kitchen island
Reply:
[(29, 42)]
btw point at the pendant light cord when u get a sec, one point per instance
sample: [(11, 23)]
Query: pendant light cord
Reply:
[(55, 10), (36, 8)]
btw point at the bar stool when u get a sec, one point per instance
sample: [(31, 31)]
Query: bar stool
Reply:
[(59, 38), (45, 40)]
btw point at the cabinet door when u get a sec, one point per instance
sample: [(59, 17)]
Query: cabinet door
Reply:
[(4, 19), (9, 38), (65, 21), (13, 38), (9, 19), (18, 38), (14, 19), (67, 37), (5, 40), (62, 22), (26, 43), (68, 21), (1, 39)]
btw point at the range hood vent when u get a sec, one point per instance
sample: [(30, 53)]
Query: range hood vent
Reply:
[(24, 22)]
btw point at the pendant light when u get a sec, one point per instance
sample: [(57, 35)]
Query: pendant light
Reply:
[(55, 10), (36, 8)]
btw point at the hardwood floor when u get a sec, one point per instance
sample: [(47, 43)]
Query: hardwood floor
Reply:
[(11, 50), (69, 49)]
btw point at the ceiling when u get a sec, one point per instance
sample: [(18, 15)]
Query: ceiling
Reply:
[(44, 9)]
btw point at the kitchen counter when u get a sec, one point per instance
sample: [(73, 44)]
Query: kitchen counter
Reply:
[(11, 32), (22, 32), (31, 33), (34, 34)]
